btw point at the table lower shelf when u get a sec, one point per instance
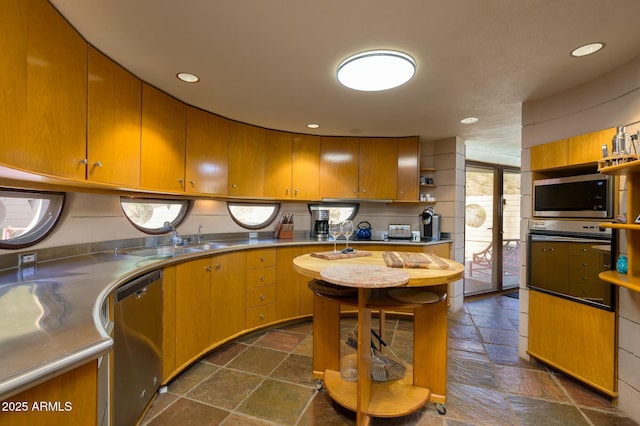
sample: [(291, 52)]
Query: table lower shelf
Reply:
[(388, 399)]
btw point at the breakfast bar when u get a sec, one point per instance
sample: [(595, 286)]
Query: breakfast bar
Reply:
[(366, 283)]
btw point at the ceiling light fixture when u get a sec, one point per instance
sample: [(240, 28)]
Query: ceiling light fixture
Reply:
[(313, 125), (469, 120), (587, 49), (376, 70), (188, 77)]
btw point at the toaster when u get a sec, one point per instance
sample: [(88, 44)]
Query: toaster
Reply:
[(400, 232)]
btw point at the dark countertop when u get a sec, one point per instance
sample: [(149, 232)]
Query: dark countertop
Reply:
[(51, 313)]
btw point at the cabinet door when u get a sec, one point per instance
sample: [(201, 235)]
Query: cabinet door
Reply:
[(56, 95), (557, 267), (305, 180), (549, 155), (277, 156), (228, 296), (163, 141), (193, 309), (246, 163), (339, 167), (288, 283), (113, 122), (378, 168), (408, 169), (588, 148), (13, 82), (207, 153)]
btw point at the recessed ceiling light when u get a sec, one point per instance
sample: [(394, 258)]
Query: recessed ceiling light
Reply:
[(587, 49), (469, 120), (313, 125), (376, 70), (188, 77)]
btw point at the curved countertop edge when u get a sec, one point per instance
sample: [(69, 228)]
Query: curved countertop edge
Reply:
[(57, 364)]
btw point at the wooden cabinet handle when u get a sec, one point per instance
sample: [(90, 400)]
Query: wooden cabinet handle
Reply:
[(208, 268), (83, 161), (97, 164), (262, 316), (218, 267), (262, 259), (262, 297), (296, 192), (193, 181), (262, 278), (233, 185)]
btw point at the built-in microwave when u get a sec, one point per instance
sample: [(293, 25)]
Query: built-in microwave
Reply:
[(581, 196)]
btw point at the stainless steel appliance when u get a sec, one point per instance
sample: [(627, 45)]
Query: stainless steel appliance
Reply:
[(565, 258), (320, 224), (400, 232), (430, 225), (581, 197), (137, 346)]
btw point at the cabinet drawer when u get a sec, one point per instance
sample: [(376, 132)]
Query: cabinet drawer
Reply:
[(261, 257), (592, 263), (583, 250), (261, 276), (261, 296), (261, 315)]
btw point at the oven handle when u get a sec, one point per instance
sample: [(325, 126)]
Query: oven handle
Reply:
[(560, 238)]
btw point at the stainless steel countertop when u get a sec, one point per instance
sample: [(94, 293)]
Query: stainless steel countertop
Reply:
[(50, 314)]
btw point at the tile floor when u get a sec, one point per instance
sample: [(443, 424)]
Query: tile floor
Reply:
[(265, 379)]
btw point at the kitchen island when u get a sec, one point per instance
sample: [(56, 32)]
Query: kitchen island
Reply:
[(367, 274)]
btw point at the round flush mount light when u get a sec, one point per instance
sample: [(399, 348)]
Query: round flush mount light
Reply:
[(313, 125), (188, 77), (587, 49), (376, 70), (469, 120)]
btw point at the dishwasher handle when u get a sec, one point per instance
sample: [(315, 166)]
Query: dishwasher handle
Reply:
[(138, 286)]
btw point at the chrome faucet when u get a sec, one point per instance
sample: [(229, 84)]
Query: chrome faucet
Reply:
[(199, 233), (176, 239)]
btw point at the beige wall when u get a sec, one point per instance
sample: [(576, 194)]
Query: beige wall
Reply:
[(611, 100)]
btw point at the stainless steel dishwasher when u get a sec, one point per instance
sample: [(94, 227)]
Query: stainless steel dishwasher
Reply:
[(137, 346)]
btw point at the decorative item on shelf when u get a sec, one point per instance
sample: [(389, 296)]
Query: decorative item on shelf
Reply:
[(623, 149), (622, 264), (284, 229)]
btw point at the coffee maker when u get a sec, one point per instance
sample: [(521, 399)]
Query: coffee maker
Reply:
[(320, 224), (430, 225)]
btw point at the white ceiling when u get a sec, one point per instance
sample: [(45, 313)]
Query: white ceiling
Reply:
[(272, 63)]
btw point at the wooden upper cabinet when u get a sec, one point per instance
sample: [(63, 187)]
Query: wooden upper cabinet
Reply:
[(56, 83), (207, 153), (587, 148), (378, 168), (246, 163), (13, 82), (278, 156), (408, 169), (163, 141), (339, 167), (305, 178), (549, 155), (113, 122), (574, 151)]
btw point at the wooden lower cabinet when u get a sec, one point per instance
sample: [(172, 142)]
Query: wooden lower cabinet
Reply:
[(193, 309), (577, 339), (227, 296), (69, 399)]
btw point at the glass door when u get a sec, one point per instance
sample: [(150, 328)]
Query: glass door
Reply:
[(492, 228)]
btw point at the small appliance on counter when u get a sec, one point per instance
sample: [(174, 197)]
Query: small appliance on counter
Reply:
[(400, 232), (430, 225), (320, 224)]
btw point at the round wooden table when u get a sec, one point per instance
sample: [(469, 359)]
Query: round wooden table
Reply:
[(373, 281)]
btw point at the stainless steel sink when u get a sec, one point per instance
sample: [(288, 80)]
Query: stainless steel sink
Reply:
[(160, 251), (211, 246)]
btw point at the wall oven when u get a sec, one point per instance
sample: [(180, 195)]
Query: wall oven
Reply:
[(565, 258), (581, 197)]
